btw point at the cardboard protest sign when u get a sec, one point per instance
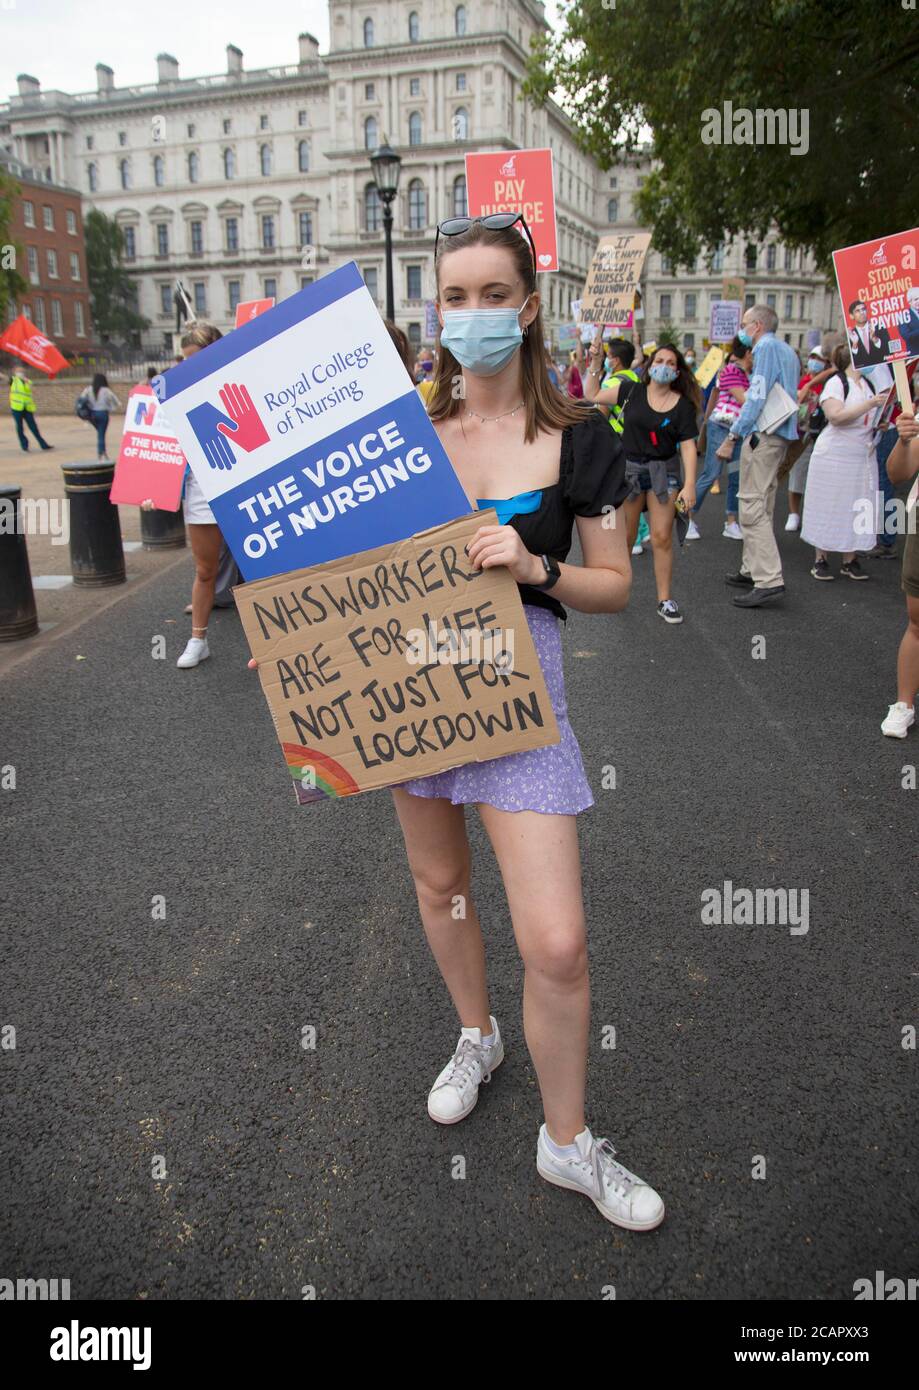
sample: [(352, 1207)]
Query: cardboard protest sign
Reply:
[(307, 435), (150, 460), (431, 321), (567, 337), (724, 320), (517, 182), (733, 287), (609, 293), (396, 663), (710, 364), (251, 310), (879, 290)]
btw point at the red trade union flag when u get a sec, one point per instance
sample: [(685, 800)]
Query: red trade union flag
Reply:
[(23, 339)]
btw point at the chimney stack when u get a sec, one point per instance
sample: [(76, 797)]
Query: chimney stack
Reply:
[(234, 60), (28, 86), (105, 79), (309, 49), (167, 68)]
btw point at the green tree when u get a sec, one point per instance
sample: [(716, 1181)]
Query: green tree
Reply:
[(620, 70), (667, 332), (111, 288), (13, 285)]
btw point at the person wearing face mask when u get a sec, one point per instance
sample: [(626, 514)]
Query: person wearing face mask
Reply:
[(546, 464), (724, 405), (761, 458), (819, 371), (658, 432)]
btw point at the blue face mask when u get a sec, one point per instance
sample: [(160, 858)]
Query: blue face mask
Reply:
[(483, 340), (745, 338), (815, 365), (662, 373)]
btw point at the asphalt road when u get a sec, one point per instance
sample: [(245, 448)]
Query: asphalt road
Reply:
[(287, 1168)]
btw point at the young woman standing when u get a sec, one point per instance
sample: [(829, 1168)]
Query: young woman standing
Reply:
[(723, 411), (546, 464), (102, 401), (658, 433)]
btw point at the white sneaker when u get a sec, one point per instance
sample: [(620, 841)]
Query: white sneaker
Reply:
[(732, 531), (794, 521), (900, 717), (637, 548), (456, 1090), (197, 650), (692, 532), (619, 1195)]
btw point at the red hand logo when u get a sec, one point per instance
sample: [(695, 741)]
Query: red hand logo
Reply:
[(249, 432)]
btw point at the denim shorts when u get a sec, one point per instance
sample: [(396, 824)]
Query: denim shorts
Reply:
[(639, 476)]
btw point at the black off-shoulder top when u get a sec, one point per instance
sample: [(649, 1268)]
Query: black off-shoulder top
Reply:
[(591, 477)]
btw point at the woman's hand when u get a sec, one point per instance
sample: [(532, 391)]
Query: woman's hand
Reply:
[(725, 450), (595, 351), (252, 664), (907, 427), (501, 545), (148, 505), (688, 494)]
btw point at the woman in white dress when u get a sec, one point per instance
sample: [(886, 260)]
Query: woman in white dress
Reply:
[(203, 532), (842, 480)]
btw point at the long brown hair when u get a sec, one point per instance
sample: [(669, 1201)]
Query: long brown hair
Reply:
[(685, 384), (546, 408)]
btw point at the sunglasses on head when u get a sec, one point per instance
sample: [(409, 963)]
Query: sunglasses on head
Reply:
[(494, 221)]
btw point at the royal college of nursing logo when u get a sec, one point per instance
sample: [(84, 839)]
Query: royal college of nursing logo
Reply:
[(237, 424)]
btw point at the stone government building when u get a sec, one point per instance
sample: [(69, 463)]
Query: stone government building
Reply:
[(249, 184)]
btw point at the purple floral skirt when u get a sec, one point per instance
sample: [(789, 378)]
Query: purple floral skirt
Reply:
[(551, 780)]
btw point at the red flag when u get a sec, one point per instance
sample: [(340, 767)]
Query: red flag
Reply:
[(23, 339)]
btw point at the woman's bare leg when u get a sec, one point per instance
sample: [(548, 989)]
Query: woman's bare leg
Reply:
[(205, 547), (660, 520), (908, 655)]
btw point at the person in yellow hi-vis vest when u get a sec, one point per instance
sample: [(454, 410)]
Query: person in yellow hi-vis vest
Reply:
[(22, 405)]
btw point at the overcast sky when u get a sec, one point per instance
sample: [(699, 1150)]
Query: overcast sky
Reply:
[(60, 42)]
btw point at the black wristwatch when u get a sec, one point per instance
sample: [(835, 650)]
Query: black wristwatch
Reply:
[(553, 573)]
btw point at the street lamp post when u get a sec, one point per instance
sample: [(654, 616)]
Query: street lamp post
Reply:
[(386, 164)]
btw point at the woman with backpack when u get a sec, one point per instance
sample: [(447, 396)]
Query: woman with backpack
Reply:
[(843, 471), (98, 403), (723, 411)]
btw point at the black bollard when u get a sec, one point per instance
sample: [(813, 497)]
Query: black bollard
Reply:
[(96, 555), (161, 530), (18, 616)]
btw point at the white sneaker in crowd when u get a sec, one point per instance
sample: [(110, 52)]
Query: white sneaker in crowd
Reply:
[(637, 548), (900, 717), (197, 650), (456, 1090), (794, 521), (619, 1195), (692, 531), (732, 531)]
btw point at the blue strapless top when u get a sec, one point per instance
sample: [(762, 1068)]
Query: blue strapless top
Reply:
[(508, 507)]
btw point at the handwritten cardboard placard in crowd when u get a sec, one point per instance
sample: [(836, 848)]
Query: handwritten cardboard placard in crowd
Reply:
[(609, 293), (396, 663)]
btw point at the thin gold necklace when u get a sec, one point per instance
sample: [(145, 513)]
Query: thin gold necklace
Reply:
[(489, 419)]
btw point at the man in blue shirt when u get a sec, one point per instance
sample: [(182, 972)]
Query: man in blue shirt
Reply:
[(762, 456)]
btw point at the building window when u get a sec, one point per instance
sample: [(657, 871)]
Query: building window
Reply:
[(307, 280), (264, 159), (57, 319), (227, 125), (371, 133), (414, 334), (122, 137), (89, 142), (614, 182), (232, 233), (28, 214), (200, 290), (39, 307), (305, 222), (78, 320), (75, 272), (268, 232), (71, 222), (770, 301), (159, 170), (414, 128), (612, 210), (417, 206), (461, 124), (460, 201), (368, 33), (190, 130), (718, 258), (461, 82), (263, 122), (270, 288), (47, 217), (370, 280), (229, 164), (414, 86), (788, 257), (666, 265), (32, 258), (749, 300), (233, 290), (303, 156), (459, 20), (194, 167), (92, 178), (124, 172), (162, 239), (302, 118), (665, 306), (130, 243), (689, 306), (196, 230), (750, 257), (770, 256), (51, 257), (373, 209), (803, 314), (166, 299), (689, 341), (789, 305), (413, 281), (369, 91), (414, 27)]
